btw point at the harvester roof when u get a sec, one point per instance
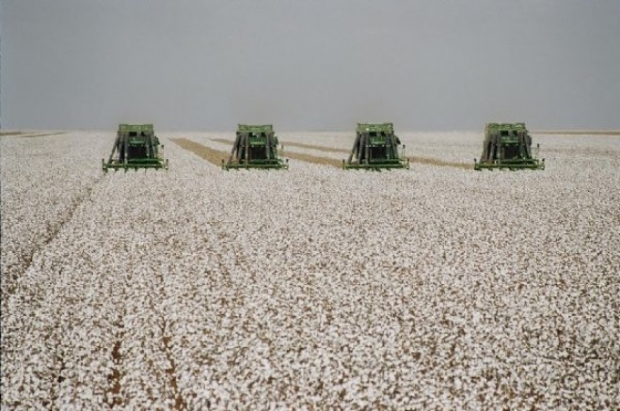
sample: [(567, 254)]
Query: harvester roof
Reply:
[(506, 126), (508, 132), (367, 127), (265, 128), (147, 128)]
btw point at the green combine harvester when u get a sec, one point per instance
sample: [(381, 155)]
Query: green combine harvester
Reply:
[(255, 147), (508, 146), (375, 148), (136, 146)]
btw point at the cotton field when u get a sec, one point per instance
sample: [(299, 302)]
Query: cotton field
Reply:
[(313, 288)]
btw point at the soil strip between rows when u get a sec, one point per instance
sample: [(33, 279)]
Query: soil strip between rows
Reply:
[(314, 159), (115, 395), (211, 155), (440, 163), (33, 135), (319, 148)]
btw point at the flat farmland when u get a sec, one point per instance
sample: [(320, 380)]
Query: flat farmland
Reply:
[(315, 288)]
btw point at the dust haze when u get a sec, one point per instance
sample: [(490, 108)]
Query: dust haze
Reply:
[(309, 64)]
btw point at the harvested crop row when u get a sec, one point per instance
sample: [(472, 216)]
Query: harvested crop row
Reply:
[(211, 155), (319, 160), (24, 134), (440, 163), (314, 159), (41, 134), (299, 156), (293, 144), (580, 132), (318, 148), (414, 159)]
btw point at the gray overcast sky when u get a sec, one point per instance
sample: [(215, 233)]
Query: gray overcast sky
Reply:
[(310, 64)]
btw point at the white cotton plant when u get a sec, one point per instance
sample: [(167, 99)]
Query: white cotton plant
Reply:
[(34, 206), (315, 287)]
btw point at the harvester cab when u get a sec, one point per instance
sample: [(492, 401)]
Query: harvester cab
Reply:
[(255, 147), (508, 146), (136, 146), (376, 147)]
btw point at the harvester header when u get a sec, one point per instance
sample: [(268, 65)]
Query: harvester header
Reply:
[(507, 145)]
